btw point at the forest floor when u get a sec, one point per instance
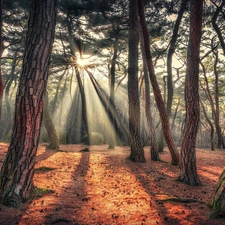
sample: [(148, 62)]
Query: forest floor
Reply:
[(102, 187)]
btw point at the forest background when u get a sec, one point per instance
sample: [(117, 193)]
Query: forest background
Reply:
[(89, 98)]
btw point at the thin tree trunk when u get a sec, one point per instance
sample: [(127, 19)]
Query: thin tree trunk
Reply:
[(84, 106), (7, 98), (211, 126), (49, 126), (188, 170), (158, 97), (170, 57), (153, 143), (112, 138), (16, 178), (137, 151)]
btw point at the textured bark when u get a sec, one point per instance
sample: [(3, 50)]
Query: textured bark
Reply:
[(188, 170), (16, 180), (170, 56), (158, 97), (137, 151), (49, 126), (217, 200), (1, 80)]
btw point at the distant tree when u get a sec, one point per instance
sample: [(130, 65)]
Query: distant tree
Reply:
[(16, 178), (49, 126), (188, 170), (137, 151)]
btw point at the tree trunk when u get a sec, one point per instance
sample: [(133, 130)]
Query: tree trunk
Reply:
[(16, 180), (137, 151), (153, 143), (211, 126), (112, 138), (158, 97), (7, 98), (217, 200), (84, 106), (49, 126), (1, 50), (188, 170), (170, 56)]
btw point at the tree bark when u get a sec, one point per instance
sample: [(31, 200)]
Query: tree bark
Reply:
[(16, 180), (1, 50), (153, 143), (158, 97), (188, 170), (49, 126), (217, 200), (137, 151)]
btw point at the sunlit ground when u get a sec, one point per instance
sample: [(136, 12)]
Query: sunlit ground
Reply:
[(103, 187)]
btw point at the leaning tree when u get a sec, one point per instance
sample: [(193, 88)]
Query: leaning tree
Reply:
[(16, 178)]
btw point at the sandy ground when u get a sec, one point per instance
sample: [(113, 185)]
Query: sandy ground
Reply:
[(102, 187)]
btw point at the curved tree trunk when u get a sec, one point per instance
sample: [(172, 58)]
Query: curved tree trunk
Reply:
[(137, 151), (16, 179), (49, 126), (158, 97), (188, 170), (153, 143)]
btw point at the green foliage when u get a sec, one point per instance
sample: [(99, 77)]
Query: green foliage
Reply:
[(39, 192)]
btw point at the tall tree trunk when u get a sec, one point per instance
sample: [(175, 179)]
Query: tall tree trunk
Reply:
[(84, 106), (153, 143), (1, 50), (49, 126), (137, 151), (112, 139), (16, 180), (158, 97), (220, 141), (170, 57), (188, 170)]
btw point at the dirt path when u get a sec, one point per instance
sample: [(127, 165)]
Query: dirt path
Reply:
[(103, 187)]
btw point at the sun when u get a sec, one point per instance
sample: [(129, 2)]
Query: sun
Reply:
[(82, 62)]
